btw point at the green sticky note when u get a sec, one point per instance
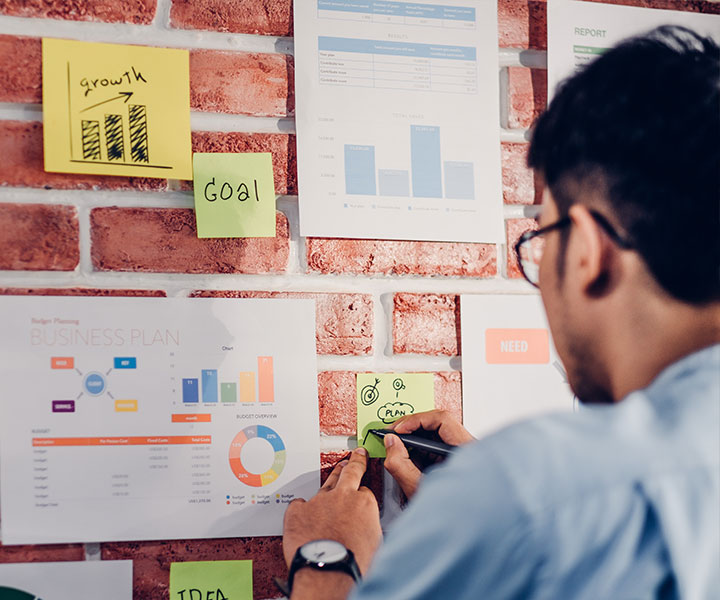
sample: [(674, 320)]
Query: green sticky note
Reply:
[(382, 398), (211, 580), (234, 195)]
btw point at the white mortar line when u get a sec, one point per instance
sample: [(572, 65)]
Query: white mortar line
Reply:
[(515, 57), (92, 551), (160, 35), (504, 99), (85, 265), (16, 111), (230, 123), (337, 443), (514, 135)]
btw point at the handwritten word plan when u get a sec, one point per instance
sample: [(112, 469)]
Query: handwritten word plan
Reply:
[(382, 398)]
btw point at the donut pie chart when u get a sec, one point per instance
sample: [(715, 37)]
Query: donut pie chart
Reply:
[(257, 479)]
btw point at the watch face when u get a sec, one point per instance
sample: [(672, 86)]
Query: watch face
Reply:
[(323, 551)]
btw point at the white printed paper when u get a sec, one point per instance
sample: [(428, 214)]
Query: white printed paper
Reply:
[(578, 32), (88, 580), (398, 119), (154, 418), (511, 370)]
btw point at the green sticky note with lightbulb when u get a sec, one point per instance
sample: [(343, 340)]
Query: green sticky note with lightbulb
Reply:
[(382, 398)]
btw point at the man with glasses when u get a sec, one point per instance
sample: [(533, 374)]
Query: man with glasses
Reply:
[(622, 499)]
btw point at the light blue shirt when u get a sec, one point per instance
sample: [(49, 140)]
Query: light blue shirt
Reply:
[(614, 502)]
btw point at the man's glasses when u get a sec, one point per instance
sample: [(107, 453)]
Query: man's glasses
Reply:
[(531, 245)]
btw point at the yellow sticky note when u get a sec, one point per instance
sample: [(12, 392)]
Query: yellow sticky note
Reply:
[(234, 195), (211, 580), (110, 109), (382, 398)]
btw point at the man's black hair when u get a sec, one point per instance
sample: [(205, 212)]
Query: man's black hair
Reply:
[(642, 125)]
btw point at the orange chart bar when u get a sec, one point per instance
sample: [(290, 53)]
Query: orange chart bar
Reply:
[(62, 362), (266, 387), (124, 441), (247, 387)]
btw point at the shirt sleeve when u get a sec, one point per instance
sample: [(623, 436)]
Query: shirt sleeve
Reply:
[(465, 535)]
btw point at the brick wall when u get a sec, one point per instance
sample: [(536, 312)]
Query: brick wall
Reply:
[(386, 306)]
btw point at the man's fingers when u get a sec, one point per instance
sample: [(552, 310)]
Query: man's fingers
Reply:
[(353, 472), (332, 479), (399, 465), (447, 427)]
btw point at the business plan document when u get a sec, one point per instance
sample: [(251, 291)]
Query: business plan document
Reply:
[(398, 120), (155, 418)]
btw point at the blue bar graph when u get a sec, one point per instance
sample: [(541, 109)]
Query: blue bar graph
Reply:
[(360, 169), (190, 391), (209, 385), (426, 162), (393, 182), (459, 180)]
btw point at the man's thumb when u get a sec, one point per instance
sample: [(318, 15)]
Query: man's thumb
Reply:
[(399, 465)]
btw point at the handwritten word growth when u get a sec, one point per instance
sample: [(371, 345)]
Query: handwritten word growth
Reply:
[(90, 84)]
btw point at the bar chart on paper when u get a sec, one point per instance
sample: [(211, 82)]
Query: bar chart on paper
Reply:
[(424, 178), (183, 418), (397, 133)]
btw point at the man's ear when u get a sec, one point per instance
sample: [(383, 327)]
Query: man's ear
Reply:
[(592, 252)]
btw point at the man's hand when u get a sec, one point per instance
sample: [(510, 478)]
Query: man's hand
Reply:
[(398, 462), (342, 510)]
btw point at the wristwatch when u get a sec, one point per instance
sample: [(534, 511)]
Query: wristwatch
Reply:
[(323, 555)]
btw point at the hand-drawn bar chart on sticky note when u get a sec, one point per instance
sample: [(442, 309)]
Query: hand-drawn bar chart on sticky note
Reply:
[(116, 110)]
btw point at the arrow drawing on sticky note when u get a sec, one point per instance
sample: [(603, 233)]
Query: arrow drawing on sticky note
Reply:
[(125, 95)]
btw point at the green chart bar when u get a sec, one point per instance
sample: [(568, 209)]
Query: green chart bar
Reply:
[(228, 392)]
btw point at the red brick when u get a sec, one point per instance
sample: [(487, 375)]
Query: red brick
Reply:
[(242, 83), (426, 324), (81, 292), (265, 17), (55, 552), (448, 391), (515, 228), (280, 145), (344, 322), (370, 257), (151, 561), (159, 240), (372, 479), (338, 404), (39, 237), (520, 186), (20, 69), (527, 95), (21, 147), (139, 12), (522, 24)]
